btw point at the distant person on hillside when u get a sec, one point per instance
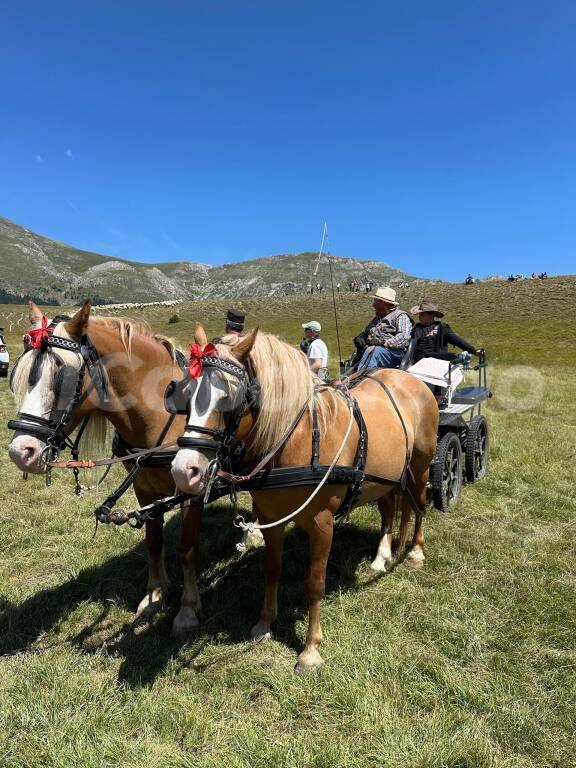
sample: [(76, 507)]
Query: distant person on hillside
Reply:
[(234, 324), (317, 352), (384, 340), (338, 287), (469, 280), (432, 336), (543, 275)]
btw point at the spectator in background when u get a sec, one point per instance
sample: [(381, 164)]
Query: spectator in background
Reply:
[(234, 324), (317, 352)]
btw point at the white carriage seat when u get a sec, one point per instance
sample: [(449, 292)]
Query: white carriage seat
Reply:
[(437, 373)]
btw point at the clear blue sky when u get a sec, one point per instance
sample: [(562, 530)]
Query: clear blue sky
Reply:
[(439, 136)]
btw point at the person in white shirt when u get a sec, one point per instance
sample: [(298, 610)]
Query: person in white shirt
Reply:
[(317, 350)]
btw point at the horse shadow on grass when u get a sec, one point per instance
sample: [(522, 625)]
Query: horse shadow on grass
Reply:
[(231, 587)]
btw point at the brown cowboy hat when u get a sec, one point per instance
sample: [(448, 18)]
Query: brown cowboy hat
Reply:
[(427, 306)]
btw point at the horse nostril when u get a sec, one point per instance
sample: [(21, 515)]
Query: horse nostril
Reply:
[(194, 473)]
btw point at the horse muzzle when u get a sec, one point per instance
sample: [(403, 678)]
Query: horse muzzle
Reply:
[(189, 471), (28, 454)]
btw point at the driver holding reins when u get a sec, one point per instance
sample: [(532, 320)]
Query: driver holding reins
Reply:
[(384, 341)]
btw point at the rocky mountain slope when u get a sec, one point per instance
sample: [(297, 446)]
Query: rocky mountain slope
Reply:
[(32, 266)]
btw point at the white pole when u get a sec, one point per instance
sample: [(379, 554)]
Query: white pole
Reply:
[(321, 251)]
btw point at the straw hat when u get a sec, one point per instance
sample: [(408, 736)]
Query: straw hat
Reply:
[(427, 306), (386, 294)]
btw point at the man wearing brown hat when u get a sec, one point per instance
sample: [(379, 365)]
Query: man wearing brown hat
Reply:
[(234, 324), (386, 337), (432, 336)]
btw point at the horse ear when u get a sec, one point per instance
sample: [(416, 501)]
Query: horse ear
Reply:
[(200, 335), (244, 347), (77, 325), (34, 315)]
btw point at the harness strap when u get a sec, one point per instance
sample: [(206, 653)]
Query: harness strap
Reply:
[(315, 439), (104, 513), (355, 490), (406, 470), (235, 479), (128, 454)]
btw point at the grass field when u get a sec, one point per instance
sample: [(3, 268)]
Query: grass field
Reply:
[(469, 662)]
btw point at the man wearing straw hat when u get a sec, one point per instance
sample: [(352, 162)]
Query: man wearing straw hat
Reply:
[(384, 341)]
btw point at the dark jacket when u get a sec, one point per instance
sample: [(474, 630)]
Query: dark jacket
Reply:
[(436, 340)]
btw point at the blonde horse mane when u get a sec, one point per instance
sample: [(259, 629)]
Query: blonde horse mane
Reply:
[(126, 328), (287, 384)]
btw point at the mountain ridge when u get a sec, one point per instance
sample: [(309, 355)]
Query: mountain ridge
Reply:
[(53, 272)]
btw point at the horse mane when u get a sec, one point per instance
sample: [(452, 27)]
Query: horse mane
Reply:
[(286, 384), (126, 328)]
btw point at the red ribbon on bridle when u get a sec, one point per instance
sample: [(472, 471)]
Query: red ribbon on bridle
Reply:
[(197, 352), (34, 337)]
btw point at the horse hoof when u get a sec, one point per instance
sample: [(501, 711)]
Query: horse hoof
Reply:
[(185, 623), (261, 632), (415, 560), (149, 605), (308, 661), (380, 565)]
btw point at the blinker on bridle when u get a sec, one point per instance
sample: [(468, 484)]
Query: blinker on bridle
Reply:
[(52, 430), (218, 440)]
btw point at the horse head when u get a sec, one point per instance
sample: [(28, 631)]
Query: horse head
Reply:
[(44, 380), (217, 397)]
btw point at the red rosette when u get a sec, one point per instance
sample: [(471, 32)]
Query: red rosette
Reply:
[(197, 352)]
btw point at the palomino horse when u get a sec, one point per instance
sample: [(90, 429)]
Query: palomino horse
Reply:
[(219, 404), (138, 366)]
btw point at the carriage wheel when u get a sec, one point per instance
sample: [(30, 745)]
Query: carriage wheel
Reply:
[(446, 472), (477, 443)]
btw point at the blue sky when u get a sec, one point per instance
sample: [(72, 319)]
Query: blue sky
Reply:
[(438, 137)]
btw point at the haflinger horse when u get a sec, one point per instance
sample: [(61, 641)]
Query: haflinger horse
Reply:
[(86, 357), (291, 406)]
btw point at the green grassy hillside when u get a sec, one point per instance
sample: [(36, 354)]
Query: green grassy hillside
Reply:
[(467, 663), (525, 322)]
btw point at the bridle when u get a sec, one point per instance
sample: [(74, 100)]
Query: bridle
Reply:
[(247, 397), (68, 385)]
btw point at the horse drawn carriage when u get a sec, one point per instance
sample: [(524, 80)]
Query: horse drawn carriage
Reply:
[(463, 435)]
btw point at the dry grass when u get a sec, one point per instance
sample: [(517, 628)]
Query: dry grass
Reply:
[(468, 663)]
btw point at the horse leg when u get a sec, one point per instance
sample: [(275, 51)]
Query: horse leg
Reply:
[(186, 620), (415, 556), (320, 531), (158, 584), (274, 541), (387, 507)]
